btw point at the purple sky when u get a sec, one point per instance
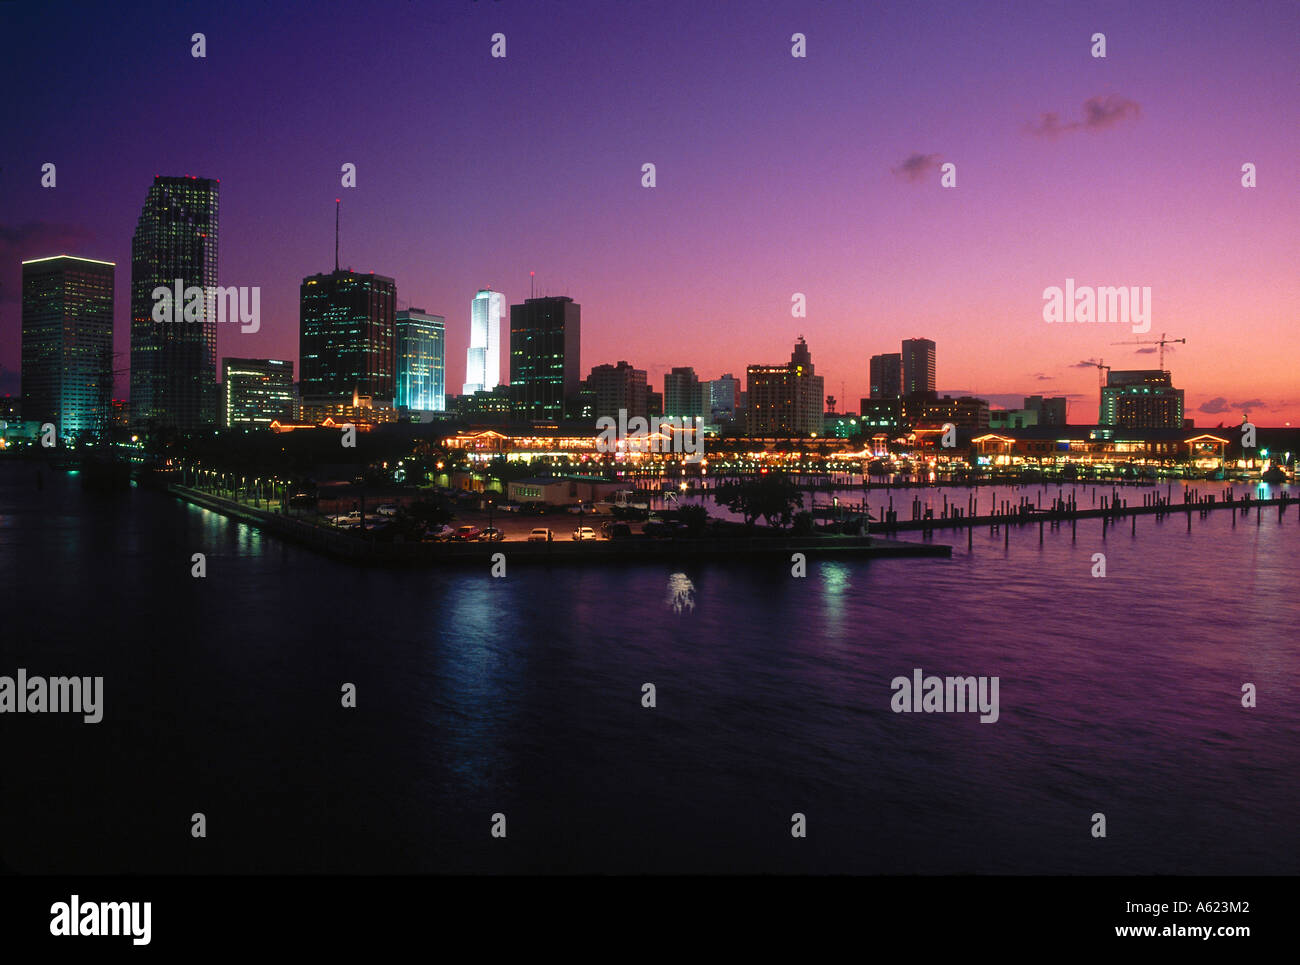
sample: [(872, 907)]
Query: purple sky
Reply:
[(775, 175)]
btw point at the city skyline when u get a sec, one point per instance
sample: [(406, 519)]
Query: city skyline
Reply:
[(1095, 171)]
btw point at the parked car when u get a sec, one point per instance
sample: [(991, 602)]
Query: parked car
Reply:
[(302, 498), (492, 534), (387, 509), (438, 534), (540, 535), (466, 534), (584, 532), (619, 531)]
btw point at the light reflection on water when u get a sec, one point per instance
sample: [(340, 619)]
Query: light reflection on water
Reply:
[(522, 695)]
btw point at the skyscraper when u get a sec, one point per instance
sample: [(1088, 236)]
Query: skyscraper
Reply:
[(67, 343), (886, 376), (421, 352), (256, 392), (918, 366), (483, 357), (785, 400), (724, 398), (684, 395), (347, 344), (618, 387), (174, 363), (545, 348)]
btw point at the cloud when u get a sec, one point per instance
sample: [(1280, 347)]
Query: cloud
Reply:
[(1220, 405), (1087, 364), (1043, 378), (36, 239), (1099, 113), (916, 167)]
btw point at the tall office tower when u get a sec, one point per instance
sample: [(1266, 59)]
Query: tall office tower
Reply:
[(1141, 399), (421, 351), (724, 398), (785, 400), (483, 357), (886, 376), (67, 343), (174, 363), (545, 348), (685, 397), (918, 366), (618, 387), (347, 345), (257, 392)]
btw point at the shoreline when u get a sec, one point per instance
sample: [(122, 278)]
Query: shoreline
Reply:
[(341, 545)]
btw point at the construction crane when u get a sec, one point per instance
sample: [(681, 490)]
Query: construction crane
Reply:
[(1161, 341), (1099, 365)]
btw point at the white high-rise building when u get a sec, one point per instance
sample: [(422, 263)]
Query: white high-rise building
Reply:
[(483, 358)]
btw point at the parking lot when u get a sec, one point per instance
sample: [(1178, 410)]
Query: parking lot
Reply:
[(515, 526)]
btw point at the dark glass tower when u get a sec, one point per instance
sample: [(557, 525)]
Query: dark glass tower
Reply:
[(918, 366), (67, 343), (346, 338), (174, 364), (544, 356)]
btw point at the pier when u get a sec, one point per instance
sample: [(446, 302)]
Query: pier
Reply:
[(1110, 507)]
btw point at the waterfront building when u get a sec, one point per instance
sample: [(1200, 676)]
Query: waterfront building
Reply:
[(545, 355), (257, 392), (685, 397), (174, 363), (918, 366), (618, 387), (483, 356), (1141, 399), (67, 343), (785, 400), (421, 351), (1051, 412), (885, 376), (347, 339)]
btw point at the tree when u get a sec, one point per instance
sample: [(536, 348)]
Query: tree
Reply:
[(772, 496), (695, 516)]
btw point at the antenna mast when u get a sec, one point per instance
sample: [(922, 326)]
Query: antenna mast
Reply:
[(338, 203)]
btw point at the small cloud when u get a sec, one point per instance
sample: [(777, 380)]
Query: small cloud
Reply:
[(1145, 351), (1043, 378), (1099, 113), (1252, 404), (1086, 364), (1215, 406), (915, 166)]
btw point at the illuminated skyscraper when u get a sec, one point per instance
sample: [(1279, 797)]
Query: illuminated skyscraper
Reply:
[(67, 343), (483, 357), (257, 392), (785, 400), (346, 339), (1141, 399), (174, 364), (421, 350)]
